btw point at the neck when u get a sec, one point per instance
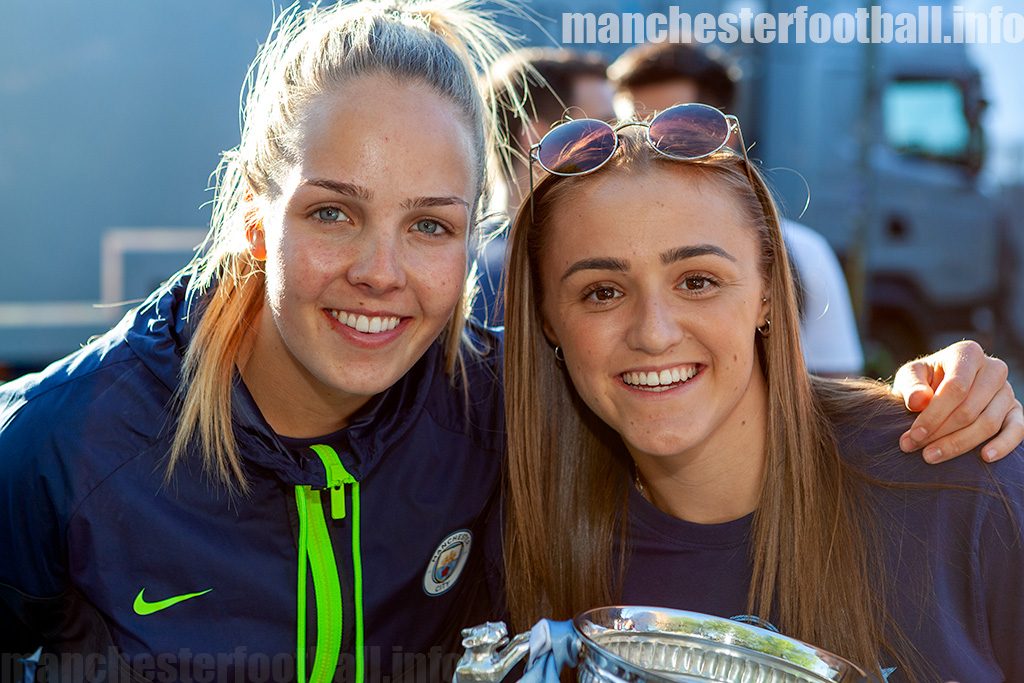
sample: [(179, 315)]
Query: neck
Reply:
[(720, 479), (293, 402)]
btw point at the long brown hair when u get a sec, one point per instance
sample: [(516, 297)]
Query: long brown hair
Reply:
[(568, 475)]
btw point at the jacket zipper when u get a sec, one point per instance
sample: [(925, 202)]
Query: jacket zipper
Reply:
[(315, 546)]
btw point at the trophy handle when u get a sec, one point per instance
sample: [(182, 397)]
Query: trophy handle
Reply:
[(489, 655)]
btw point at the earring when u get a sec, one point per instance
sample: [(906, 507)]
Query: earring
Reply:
[(559, 356), (765, 329)]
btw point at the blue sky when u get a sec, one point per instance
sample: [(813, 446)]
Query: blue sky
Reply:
[(1003, 65)]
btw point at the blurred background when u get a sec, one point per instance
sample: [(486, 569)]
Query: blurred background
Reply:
[(113, 113)]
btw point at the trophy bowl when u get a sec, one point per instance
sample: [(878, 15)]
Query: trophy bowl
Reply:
[(655, 645)]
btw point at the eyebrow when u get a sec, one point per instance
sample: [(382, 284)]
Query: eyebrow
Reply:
[(667, 258), (681, 253), (600, 263), (360, 192), (347, 189)]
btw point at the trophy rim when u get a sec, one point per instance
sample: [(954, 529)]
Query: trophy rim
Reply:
[(814, 661)]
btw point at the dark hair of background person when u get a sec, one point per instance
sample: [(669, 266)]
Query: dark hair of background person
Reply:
[(524, 73), (707, 66)]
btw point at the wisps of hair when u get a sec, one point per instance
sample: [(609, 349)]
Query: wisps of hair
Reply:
[(445, 44)]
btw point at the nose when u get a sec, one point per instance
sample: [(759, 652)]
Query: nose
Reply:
[(655, 327), (377, 263)]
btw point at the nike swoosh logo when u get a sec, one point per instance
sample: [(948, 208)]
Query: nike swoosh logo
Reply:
[(142, 607)]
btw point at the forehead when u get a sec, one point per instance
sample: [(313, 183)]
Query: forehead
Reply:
[(639, 215), (377, 130)]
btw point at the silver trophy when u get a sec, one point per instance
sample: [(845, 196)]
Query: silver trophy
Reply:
[(648, 644)]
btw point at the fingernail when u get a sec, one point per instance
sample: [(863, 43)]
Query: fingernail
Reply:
[(907, 444), (989, 454), (932, 454), (918, 434)]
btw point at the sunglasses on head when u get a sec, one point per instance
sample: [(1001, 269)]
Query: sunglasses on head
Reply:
[(685, 132)]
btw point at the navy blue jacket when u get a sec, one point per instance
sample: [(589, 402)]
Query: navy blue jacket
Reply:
[(87, 521)]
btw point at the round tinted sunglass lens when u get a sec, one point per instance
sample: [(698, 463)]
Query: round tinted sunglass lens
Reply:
[(576, 147), (689, 131)]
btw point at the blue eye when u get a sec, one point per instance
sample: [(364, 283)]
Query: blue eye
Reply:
[(429, 227), (330, 214)]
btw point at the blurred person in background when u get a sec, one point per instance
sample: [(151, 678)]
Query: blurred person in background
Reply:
[(655, 76), (548, 83)]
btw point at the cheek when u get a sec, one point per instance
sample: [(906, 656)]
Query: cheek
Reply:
[(737, 356), (275, 268), (438, 276), (295, 266), (588, 349)]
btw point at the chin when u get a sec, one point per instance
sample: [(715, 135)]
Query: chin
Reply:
[(664, 445), (360, 384)]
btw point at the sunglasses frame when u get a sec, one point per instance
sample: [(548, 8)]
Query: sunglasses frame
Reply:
[(732, 122), (732, 126)]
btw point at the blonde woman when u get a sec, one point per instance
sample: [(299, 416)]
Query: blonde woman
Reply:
[(276, 468), (668, 447)]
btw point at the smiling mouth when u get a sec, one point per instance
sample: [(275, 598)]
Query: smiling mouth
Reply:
[(661, 380), (365, 324)]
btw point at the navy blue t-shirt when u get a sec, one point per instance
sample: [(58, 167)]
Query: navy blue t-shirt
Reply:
[(954, 558)]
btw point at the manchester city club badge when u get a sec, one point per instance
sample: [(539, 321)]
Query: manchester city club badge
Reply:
[(447, 562)]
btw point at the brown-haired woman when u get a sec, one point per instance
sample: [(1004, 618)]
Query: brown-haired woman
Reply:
[(667, 446)]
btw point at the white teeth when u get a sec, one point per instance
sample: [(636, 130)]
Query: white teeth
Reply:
[(660, 379), (364, 323)]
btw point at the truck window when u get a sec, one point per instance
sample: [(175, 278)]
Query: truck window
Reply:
[(926, 118)]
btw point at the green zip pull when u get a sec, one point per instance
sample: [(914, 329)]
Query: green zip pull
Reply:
[(337, 477)]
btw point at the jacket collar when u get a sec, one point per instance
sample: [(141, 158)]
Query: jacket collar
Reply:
[(160, 333)]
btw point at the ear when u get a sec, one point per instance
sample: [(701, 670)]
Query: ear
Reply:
[(766, 307), (549, 333), (254, 229), (257, 242)]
